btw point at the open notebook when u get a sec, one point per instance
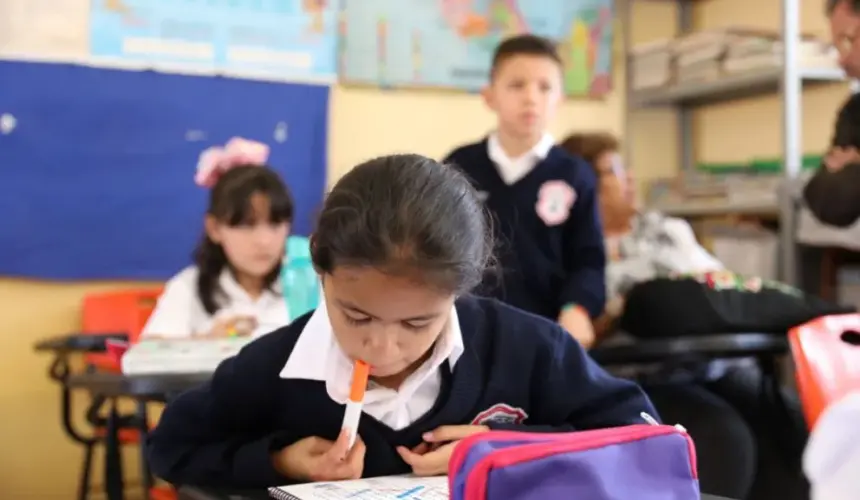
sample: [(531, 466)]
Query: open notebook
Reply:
[(379, 488)]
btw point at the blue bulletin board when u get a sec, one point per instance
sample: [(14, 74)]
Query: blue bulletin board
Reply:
[(97, 165)]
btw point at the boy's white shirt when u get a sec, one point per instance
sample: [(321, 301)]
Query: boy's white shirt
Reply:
[(832, 457), (179, 313), (317, 356), (512, 170)]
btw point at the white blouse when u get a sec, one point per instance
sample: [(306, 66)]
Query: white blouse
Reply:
[(317, 356), (180, 314)]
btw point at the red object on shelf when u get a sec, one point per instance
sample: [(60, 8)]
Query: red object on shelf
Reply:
[(116, 349)]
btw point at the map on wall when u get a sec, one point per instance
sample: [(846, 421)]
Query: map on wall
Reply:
[(449, 43), (288, 39)]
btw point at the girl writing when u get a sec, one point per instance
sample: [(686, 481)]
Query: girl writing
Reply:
[(399, 243), (233, 287)]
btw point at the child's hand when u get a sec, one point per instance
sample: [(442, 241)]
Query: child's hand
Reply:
[(318, 459), (232, 325), (431, 457), (578, 324)]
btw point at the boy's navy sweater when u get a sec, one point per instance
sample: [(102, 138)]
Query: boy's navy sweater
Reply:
[(530, 373), (544, 268)]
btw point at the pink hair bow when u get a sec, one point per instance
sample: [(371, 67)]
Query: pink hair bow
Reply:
[(216, 160)]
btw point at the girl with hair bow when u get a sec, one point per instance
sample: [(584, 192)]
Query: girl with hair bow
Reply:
[(232, 288)]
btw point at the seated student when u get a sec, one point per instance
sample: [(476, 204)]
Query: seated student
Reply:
[(399, 243), (233, 286), (734, 422), (542, 198)]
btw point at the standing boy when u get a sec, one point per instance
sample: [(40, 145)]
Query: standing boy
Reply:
[(542, 199)]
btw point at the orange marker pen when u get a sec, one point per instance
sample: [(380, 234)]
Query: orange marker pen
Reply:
[(360, 374)]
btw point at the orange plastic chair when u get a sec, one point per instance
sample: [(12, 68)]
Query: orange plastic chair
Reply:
[(826, 354), (124, 311)]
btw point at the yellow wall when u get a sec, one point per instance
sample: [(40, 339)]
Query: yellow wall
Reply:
[(364, 122)]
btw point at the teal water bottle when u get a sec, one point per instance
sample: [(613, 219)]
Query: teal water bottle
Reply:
[(298, 278)]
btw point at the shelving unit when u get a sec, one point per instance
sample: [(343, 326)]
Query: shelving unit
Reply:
[(710, 208), (787, 80), (728, 88)]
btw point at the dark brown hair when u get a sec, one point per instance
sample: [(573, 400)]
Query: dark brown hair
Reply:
[(530, 45), (402, 214), (590, 145), (230, 203)]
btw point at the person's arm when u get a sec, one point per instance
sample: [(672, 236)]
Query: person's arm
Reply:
[(222, 434), (171, 317), (834, 197), (833, 194), (572, 392), (584, 293), (578, 323)]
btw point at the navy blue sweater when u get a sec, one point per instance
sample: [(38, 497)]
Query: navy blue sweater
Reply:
[(544, 268), (526, 370)]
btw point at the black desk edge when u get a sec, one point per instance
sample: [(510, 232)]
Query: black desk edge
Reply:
[(718, 346), (79, 342)]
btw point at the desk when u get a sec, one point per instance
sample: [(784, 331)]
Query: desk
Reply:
[(78, 343), (140, 387), (108, 385), (622, 349), (187, 493)]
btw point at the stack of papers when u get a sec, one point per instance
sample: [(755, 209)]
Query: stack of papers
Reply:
[(154, 357), (379, 488)]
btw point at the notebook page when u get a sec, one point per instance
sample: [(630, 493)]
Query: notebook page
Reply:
[(379, 488)]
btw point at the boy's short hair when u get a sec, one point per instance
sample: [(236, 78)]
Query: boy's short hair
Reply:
[(524, 45)]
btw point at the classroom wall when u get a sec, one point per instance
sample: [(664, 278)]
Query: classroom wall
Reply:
[(40, 463)]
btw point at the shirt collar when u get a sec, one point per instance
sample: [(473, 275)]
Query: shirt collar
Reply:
[(514, 169), (317, 356), (235, 294)]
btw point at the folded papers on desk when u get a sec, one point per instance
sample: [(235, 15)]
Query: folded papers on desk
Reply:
[(179, 356), (380, 488)]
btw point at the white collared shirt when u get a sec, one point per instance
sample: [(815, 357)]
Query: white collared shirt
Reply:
[(317, 356), (513, 169), (180, 313)]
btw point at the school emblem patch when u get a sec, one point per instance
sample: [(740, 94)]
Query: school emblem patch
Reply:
[(501, 413), (555, 199)]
